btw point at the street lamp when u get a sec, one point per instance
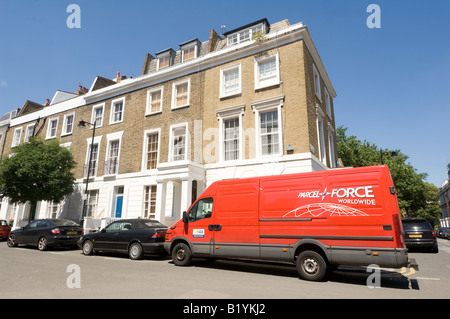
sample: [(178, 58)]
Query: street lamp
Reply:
[(393, 154), (83, 124)]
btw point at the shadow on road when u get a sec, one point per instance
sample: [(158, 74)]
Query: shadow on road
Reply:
[(345, 275)]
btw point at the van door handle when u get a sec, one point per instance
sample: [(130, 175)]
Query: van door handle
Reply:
[(216, 227)]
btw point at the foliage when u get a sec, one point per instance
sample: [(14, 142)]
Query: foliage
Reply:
[(36, 171), (416, 198)]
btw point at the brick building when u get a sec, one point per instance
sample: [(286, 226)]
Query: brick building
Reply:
[(255, 101)]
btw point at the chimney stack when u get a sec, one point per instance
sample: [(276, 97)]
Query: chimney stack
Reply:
[(81, 90)]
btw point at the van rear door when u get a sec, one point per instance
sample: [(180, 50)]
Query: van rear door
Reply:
[(236, 229)]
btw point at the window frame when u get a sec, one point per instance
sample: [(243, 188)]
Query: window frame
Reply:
[(148, 109), (171, 141), (269, 81), (264, 106), (328, 101), (49, 128), (16, 139), (64, 129), (235, 37), (320, 123), (27, 137), (223, 72), (331, 146), (145, 148), (93, 115), (97, 141), (165, 55), (228, 114), (316, 81), (110, 138), (177, 84), (151, 201), (189, 47), (113, 112)]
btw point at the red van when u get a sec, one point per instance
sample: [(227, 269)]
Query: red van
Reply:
[(314, 220)]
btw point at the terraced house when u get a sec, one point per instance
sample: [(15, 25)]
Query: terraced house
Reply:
[(253, 101)]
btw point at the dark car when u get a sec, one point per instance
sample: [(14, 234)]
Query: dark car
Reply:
[(45, 233), (441, 231), (445, 233), (4, 229), (419, 234), (134, 237)]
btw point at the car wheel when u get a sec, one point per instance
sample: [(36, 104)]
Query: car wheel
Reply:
[(311, 266), (88, 248), (135, 252), (11, 241), (181, 254), (42, 244)]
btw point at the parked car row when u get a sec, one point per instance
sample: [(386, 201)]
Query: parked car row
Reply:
[(135, 237), (443, 232)]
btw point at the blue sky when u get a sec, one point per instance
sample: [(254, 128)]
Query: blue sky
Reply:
[(392, 83)]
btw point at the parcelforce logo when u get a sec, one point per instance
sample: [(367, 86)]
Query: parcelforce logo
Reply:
[(349, 195)]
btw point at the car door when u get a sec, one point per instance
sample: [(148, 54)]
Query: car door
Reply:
[(200, 227), (29, 233), (105, 239), (122, 237)]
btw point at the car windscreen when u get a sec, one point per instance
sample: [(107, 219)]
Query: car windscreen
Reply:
[(415, 225), (64, 222)]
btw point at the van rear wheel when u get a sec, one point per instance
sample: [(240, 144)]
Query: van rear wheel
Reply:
[(181, 254), (311, 266)]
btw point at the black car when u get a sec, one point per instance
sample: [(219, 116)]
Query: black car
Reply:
[(419, 234), (45, 233), (134, 237), (441, 232)]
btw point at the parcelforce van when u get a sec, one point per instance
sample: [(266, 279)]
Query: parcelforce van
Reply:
[(314, 220)]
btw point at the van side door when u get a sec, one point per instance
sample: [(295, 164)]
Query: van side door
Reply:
[(236, 219)]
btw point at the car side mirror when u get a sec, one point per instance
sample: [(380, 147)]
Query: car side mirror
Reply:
[(103, 230), (185, 220)]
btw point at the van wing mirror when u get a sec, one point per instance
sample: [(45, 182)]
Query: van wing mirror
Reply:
[(185, 220)]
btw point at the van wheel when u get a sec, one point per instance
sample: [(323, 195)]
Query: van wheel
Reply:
[(311, 266), (181, 254)]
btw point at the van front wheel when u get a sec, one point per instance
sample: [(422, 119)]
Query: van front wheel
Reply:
[(181, 254), (311, 266)]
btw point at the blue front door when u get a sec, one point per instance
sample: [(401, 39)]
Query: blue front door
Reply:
[(119, 202)]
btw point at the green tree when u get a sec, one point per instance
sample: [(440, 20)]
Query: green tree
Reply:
[(37, 171), (416, 197)]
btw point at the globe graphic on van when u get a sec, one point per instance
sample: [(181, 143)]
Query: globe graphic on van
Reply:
[(323, 210)]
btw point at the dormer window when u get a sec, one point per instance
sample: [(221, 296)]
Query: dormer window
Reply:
[(165, 58), (247, 32), (189, 50)]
